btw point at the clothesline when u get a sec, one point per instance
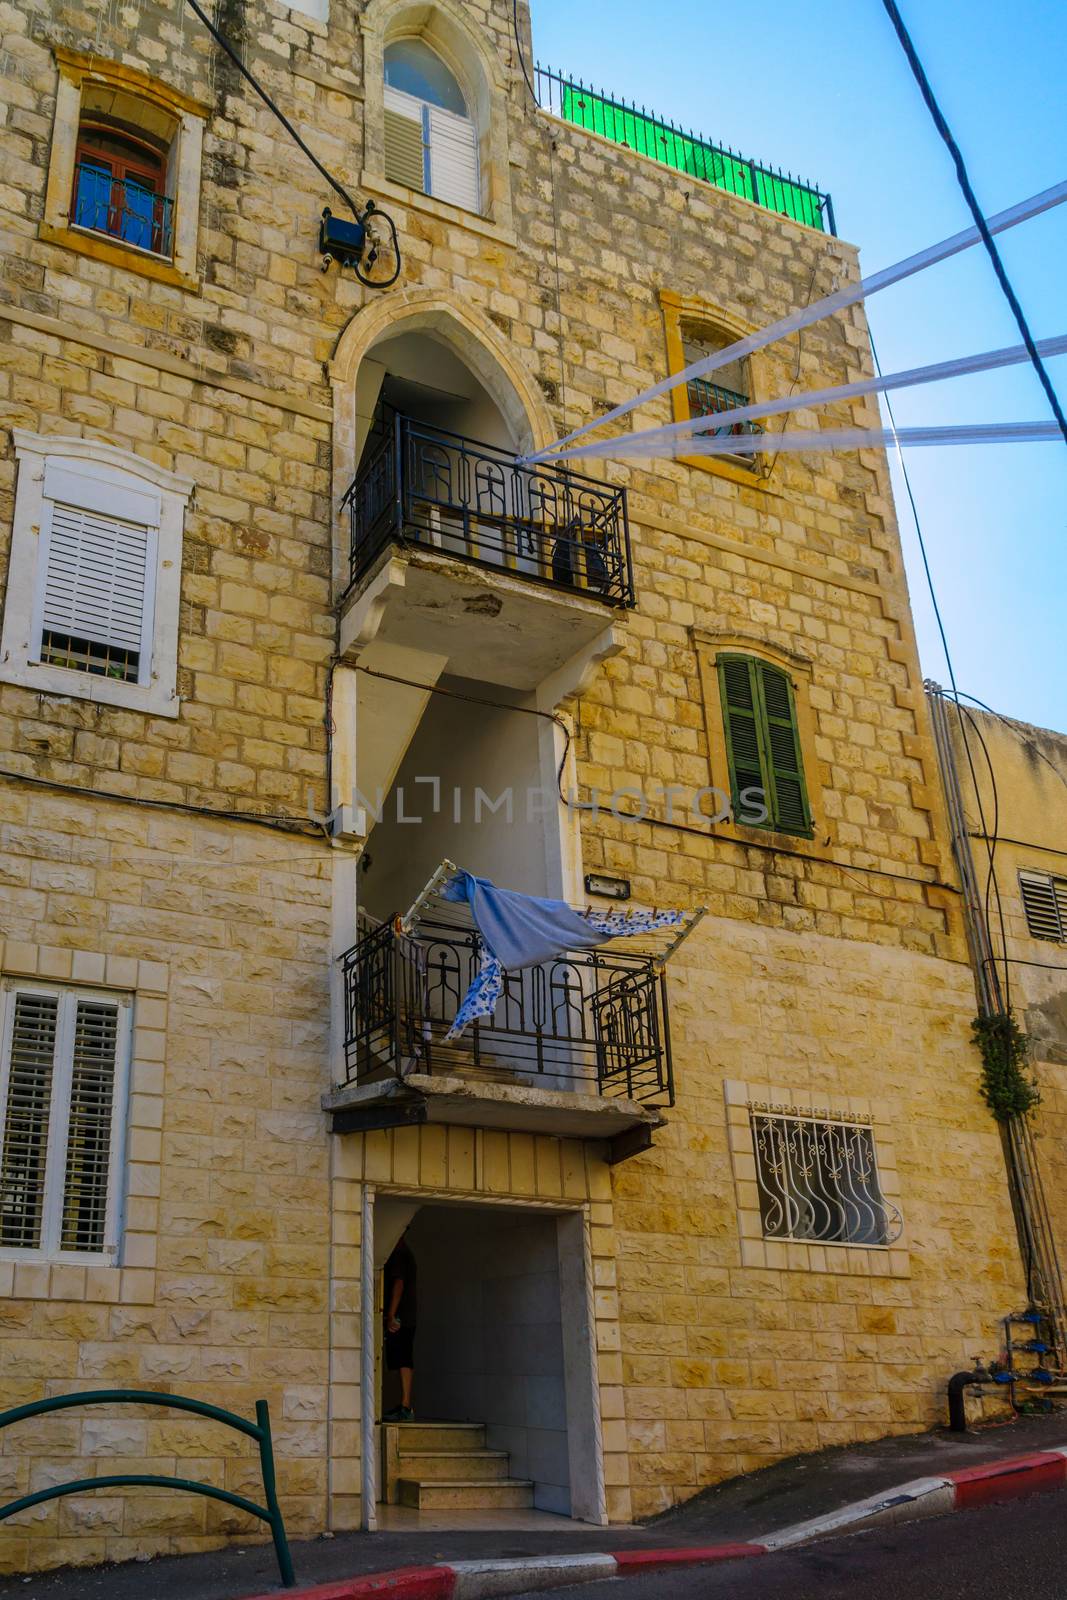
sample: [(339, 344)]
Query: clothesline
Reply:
[(696, 427), (837, 301), (632, 446)]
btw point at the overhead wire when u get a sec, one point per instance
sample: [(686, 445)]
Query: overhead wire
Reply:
[(990, 842), (359, 213), (963, 178)]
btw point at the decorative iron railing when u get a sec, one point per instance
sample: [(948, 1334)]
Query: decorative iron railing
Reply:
[(123, 208), (592, 1022), (473, 501), (687, 152), (818, 1182), (707, 399)]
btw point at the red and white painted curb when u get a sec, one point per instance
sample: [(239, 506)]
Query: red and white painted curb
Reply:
[(482, 1580)]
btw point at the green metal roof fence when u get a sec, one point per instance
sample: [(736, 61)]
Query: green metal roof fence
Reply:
[(686, 152)]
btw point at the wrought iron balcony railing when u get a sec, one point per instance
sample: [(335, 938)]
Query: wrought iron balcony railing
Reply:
[(123, 208), (707, 399), (593, 1022), (424, 486), (627, 124)]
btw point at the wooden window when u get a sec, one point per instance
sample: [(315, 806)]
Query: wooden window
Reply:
[(1045, 904), (763, 745), (431, 143), (63, 1078), (119, 189)]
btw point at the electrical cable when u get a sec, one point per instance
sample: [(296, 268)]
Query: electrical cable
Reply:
[(360, 215), (976, 211), (991, 843), (286, 824), (521, 51), (634, 816)]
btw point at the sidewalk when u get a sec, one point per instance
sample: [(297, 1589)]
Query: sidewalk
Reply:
[(745, 1508)]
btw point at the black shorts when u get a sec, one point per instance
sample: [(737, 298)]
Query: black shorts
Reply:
[(400, 1349)]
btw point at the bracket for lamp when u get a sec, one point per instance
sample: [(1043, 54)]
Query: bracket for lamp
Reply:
[(356, 244)]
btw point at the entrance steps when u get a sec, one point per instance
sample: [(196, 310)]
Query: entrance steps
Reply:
[(447, 1465)]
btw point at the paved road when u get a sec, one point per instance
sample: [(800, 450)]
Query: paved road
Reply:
[(1007, 1552)]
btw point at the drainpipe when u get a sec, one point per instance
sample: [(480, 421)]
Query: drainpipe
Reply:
[(1032, 1221)]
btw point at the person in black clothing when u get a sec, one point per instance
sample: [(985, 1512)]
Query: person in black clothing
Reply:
[(400, 1318)]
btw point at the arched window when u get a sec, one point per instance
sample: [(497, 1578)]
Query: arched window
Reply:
[(120, 188), (431, 141)]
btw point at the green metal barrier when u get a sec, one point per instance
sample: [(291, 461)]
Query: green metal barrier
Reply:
[(258, 1430)]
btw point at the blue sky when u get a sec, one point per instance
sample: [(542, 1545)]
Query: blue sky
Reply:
[(823, 89)]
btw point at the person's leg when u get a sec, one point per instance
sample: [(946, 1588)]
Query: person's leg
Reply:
[(407, 1375)]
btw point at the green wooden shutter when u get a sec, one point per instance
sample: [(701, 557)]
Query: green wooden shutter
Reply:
[(405, 152), (763, 743), (740, 709), (788, 795)]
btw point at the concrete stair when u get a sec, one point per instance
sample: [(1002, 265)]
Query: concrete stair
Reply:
[(447, 1466)]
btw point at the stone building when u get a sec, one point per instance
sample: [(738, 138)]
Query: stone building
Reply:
[(1005, 784), (267, 551)]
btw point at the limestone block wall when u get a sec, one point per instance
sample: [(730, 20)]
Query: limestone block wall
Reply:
[(736, 1352), (218, 931)]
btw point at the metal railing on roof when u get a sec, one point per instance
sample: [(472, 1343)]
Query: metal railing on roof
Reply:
[(627, 124)]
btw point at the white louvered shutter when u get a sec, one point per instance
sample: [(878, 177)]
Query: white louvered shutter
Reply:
[(96, 577), (1045, 904), (26, 1112), (405, 139), (87, 1178), (454, 159), (63, 1080)]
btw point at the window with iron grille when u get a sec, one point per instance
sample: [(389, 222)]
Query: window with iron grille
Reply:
[(1045, 904), (120, 188), (767, 782), (818, 1182), (63, 1078), (728, 388)]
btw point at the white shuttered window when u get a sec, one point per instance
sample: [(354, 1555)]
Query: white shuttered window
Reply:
[(91, 608), (431, 143), (63, 1072), (98, 561)]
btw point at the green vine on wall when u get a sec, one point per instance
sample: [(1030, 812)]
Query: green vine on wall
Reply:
[(1007, 1087)]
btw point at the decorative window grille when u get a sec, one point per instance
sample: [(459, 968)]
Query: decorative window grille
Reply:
[(63, 1071), (818, 1182), (1045, 904)]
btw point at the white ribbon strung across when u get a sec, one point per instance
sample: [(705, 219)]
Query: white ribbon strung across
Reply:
[(679, 434), (1045, 201), (632, 446)]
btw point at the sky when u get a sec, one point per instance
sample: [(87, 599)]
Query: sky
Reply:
[(823, 90)]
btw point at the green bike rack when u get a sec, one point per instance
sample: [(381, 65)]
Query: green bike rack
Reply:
[(258, 1430)]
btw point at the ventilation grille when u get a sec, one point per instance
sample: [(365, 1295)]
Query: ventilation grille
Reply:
[(1045, 904)]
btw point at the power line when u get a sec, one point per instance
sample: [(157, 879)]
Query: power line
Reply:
[(990, 840), (360, 215), (976, 211)]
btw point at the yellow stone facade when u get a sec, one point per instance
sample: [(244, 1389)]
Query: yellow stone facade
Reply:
[(172, 858)]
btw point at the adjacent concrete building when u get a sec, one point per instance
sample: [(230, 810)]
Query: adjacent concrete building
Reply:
[(270, 557)]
